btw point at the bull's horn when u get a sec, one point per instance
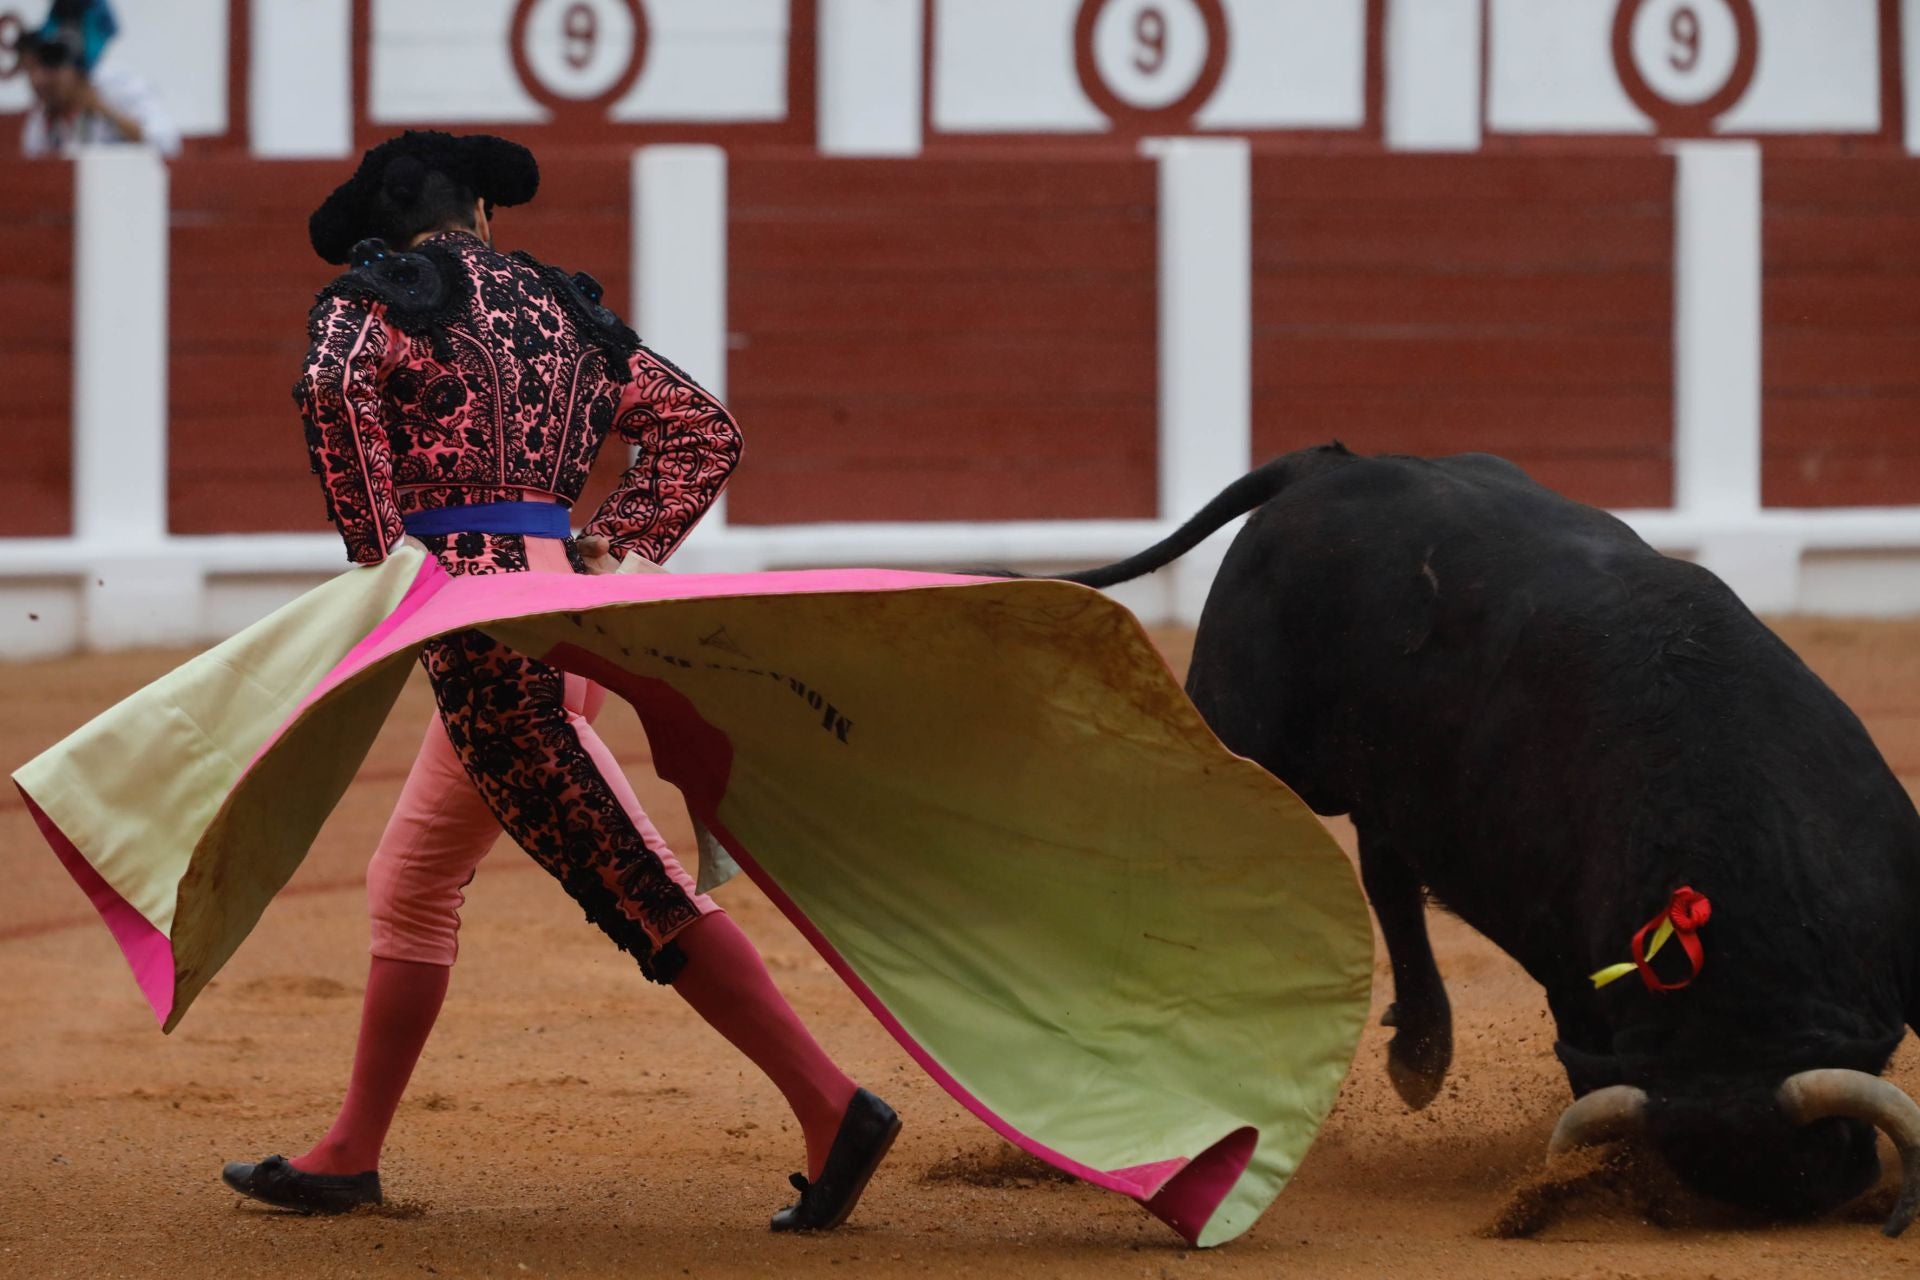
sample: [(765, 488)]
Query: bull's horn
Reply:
[(1617, 1111), (1816, 1095)]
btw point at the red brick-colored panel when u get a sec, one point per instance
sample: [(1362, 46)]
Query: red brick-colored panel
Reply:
[(36, 349), (965, 244), (1003, 487), (981, 367), (1812, 475), (40, 243), (1575, 182), (243, 280), (1513, 304), (943, 339), (1832, 302), (1477, 237), (244, 472), (951, 435), (234, 242), (1840, 449), (242, 277), (1841, 408), (1878, 362), (1520, 359), (1833, 183), (39, 379), (918, 305), (35, 313), (1615, 481), (1308, 300), (942, 187), (1834, 424), (1593, 445), (1847, 240), (1502, 420)]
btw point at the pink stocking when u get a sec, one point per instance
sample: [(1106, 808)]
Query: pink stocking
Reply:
[(403, 999), (727, 984)]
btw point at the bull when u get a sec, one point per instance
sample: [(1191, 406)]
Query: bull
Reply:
[(1548, 727)]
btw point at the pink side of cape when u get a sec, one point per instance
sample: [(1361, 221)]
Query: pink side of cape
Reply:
[(148, 952), (437, 602)]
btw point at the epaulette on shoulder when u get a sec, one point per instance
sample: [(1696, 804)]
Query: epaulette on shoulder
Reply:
[(423, 290)]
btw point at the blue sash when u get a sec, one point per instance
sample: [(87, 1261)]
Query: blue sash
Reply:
[(534, 519)]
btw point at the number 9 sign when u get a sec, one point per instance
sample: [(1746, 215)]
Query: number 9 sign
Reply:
[(1150, 63), (574, 55), (1685, 62)]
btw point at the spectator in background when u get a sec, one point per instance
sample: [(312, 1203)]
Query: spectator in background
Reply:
[(78, 104)]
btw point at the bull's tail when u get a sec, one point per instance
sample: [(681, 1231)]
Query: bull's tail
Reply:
[(1243, 495)]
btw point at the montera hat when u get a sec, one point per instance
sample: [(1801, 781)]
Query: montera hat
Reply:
[(494, 169)]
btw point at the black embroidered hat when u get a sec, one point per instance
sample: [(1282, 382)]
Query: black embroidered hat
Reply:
[(494, 169)]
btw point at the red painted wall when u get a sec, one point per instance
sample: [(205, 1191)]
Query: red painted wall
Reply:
[(942, 339), (36, 347), (241, 279), (973, 338), (1511, 304), (1842, 334)]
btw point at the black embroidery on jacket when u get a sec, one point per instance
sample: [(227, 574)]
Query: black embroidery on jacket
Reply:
[(580, 294), (423, 289)]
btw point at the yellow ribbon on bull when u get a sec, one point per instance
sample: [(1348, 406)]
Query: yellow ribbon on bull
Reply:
[(1615, 972)]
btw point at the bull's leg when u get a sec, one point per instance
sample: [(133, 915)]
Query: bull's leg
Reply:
[(1422, 1019)]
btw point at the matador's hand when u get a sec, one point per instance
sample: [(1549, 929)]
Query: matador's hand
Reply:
[(597, 554)]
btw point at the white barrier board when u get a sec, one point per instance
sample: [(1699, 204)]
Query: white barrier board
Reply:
[(513, 61), (1161, 66), (1684, 67)]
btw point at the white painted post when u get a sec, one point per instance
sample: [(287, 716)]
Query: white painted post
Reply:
[(1910, 71), (1205, 339), (1716, 369), (1433, 75), (300, 78), (120, 401), (870, 90), (1716, 328), (120, 346), (680, 267)]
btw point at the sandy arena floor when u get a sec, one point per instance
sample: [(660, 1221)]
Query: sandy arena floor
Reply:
[(570, 1119)]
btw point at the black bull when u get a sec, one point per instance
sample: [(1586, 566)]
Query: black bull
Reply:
[(1548, 726)]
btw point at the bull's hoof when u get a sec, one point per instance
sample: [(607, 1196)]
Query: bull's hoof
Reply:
[(1417, 1065), (1416, 1088)]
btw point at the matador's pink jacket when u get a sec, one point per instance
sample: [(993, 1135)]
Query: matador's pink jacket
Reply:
[(453, 375)]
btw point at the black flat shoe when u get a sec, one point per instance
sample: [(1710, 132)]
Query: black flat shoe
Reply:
[(866, 1133), (276, 1182)]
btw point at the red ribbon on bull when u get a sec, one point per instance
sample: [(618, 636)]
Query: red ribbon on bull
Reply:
[(1682, 917)]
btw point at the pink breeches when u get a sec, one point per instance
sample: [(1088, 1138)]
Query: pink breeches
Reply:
[(442, 827)]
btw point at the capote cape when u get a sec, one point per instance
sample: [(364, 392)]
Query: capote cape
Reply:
[(987, 803)]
